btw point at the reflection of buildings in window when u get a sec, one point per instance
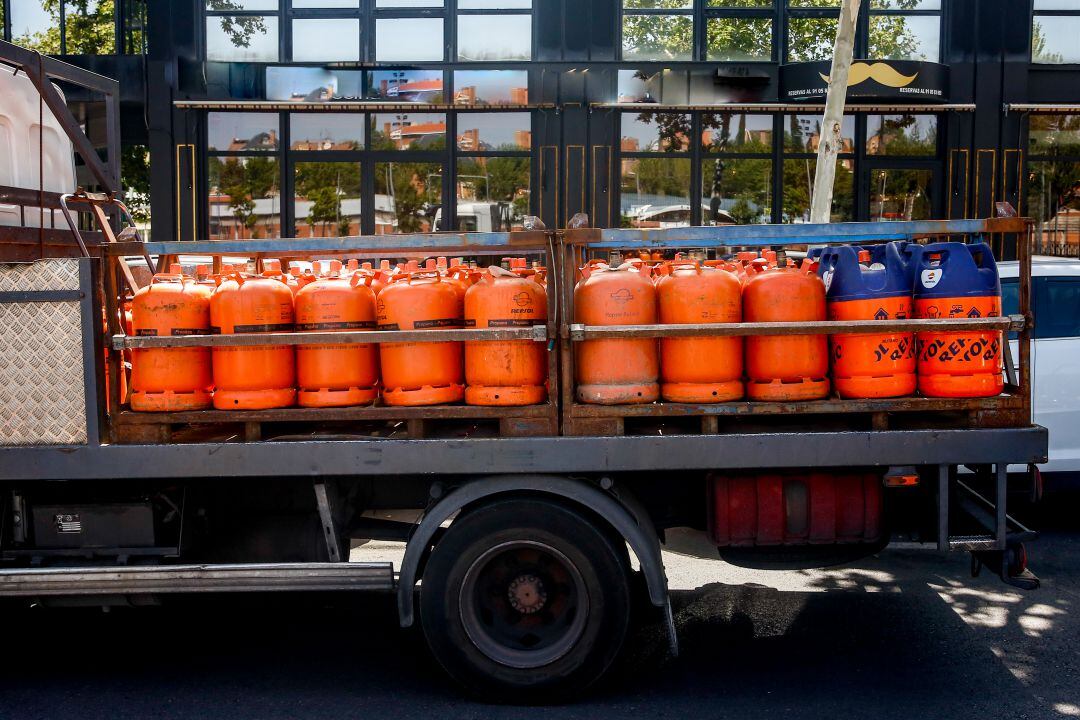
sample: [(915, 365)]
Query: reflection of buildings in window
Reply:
[(319, 94), (468, 96), (226, 225), (323, 145), (430, 91), (260, 141), (745, 136), (405, 134)]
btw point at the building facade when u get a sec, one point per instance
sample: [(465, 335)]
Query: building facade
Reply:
[(331, 117)]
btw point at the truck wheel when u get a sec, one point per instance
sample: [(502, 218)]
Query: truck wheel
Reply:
[(525, 601)]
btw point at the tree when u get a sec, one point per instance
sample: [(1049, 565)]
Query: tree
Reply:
[(238, 28), (90, 28), (671, 37), (244, 180), (135, 179)]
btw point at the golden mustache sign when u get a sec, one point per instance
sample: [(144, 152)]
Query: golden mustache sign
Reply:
[(881, 72)]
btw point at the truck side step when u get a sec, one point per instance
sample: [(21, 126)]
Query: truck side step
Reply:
[(145, 580)]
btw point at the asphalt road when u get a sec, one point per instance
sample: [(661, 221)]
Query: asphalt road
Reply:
[(904, 635)]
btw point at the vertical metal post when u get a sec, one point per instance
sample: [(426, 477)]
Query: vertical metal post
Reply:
[(943, 508), (1000, 504)]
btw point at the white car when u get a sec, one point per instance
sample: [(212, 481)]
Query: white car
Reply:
[(1055, 352)]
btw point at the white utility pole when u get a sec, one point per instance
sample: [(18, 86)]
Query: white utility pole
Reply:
[(832, 136)]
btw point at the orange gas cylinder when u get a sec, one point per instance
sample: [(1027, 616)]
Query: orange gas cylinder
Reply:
[(352, 266), (171, 379), (794, 367), (458, 278), (615, 372), (420, 373), (878, 365), (294, 280), (505, 372), (700, 370), (336, 375), (954, 280), (261, 376)]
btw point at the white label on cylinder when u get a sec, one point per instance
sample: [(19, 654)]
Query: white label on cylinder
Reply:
[(930, 278)]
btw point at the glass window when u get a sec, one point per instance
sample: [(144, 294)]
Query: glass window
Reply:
[(1054, 134), (34, 27), (90, 27), (242, 38), (657, 37), (1057, 301), (654, 192), (658, 4), (492, 193), (900, 194), (408, 3), (1053, 39), (810, 38), (802, 133), (235, 132), (739, 3), (655, 132), (420, 86), (491, 87), (490, 132), (1053, 202), (907, 135), (905, 37), (311, 84), (814, 3), (304, 4), (407, 196), (327, 199), (494, 4), (736, 132), (413, 131), (237, 5), (494, 37), (409, 39), (642, 86), (738, 39), (245, 200), (326, 131), (798, 189), (326, 39), (907, 4), (736, 190)]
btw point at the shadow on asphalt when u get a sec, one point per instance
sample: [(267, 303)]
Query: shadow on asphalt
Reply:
[(906, 635)]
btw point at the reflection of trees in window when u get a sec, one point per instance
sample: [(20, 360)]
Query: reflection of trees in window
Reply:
[(906, 135), (239, 29), (90, 28), (799, 184), (659, 37), (500, 180), (740, 187), (1053, 182), (415, 191), (738, 39), (135, 179), (325, 185), (243, 181), (672, 131)]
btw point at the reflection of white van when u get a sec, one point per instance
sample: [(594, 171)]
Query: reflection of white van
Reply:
[(479, 217), (27, 145)]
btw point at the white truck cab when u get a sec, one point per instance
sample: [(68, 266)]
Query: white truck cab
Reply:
[(1055, 352)]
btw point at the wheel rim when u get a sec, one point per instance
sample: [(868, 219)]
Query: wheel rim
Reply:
[(523, 604)]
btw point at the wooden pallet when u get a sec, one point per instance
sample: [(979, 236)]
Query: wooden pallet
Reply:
[(374, 421), (1006, 410)]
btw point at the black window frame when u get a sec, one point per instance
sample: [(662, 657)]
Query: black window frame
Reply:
[(1066, 12)]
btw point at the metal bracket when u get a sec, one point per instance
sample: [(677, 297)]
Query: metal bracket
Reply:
[(326, 518)]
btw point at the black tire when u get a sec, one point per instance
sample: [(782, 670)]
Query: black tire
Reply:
[(525, 601)]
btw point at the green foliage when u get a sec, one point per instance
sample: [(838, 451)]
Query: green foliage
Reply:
[(91, 28), (412, 190), (135, 179), (238, 28), (325, 184), (244, 180), (671, 37)]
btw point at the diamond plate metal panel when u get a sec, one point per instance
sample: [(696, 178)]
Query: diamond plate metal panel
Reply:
[(42, 397)]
